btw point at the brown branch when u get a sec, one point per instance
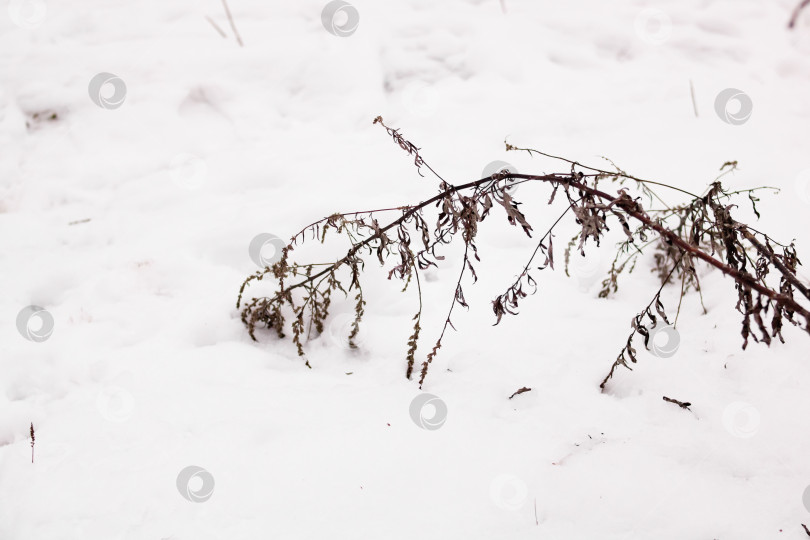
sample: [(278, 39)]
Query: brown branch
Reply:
[(628, 205), (681, 404), (768, 254), (736, 275), (796, 12), (634, 210), (520, 391), (411, 210)]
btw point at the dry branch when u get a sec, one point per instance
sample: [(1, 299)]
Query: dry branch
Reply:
[(701, 229)]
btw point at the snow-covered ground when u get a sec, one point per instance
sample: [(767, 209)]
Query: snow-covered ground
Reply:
[(130, 224)]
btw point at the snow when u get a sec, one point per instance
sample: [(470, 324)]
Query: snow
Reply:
[(149, 369)]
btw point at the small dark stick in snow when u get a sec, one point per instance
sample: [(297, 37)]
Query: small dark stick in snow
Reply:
[(681, 404), (32, 442), (805, 529), (524, 389)]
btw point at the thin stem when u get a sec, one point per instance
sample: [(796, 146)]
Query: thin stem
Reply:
[(539, 242), (795, 17), (680, 300), (216, 26), (233, 24), (602, 171)]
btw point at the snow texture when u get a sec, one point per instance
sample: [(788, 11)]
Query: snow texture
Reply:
[(127, 217)]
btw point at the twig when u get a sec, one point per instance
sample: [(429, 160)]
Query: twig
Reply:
[(628, 347), (635, 211), (216, 27), (32, 442), (447, 322), (540, 242), (233, 25), (768, 254), (796, 12), (410, 211), (602, 171), (520, 391), (680, 300), (806, 529), (410, 148), (681, 404)]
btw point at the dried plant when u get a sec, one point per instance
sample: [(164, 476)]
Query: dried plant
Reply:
[(32, 442), (701, 229)]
